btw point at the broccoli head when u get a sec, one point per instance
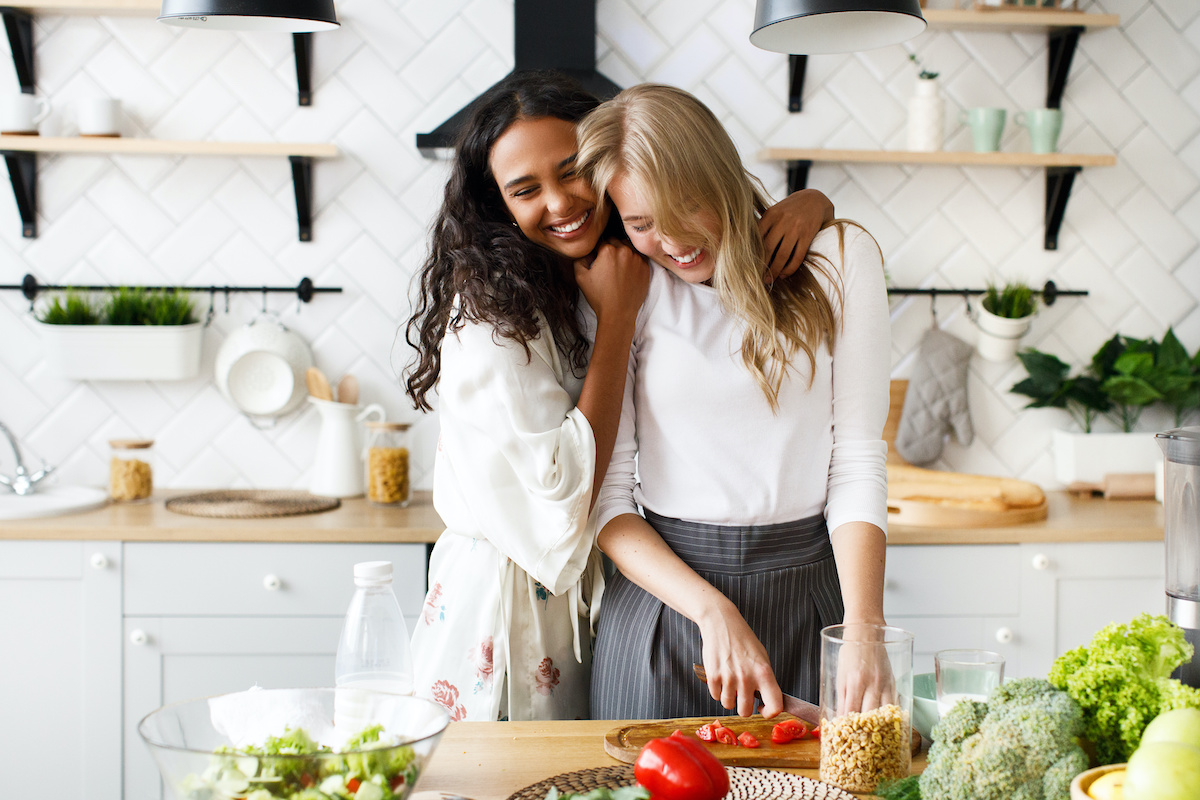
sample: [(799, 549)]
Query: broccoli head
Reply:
[(1019, 745), (1122, 681)]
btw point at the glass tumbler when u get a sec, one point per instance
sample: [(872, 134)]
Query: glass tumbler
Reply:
[(866, 705), (130, 469)]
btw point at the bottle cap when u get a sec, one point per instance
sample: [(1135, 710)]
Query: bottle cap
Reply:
[(374, 571)]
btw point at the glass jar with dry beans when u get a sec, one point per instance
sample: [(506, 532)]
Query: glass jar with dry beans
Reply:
[(866, 705), (130, 469), (387, 464)]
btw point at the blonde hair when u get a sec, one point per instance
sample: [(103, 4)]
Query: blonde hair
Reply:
[(672, 146)]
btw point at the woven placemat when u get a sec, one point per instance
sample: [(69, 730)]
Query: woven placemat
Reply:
[(745, 783), (251, 503)]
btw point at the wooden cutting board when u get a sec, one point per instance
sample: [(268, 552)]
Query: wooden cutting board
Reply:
[(625, 742)]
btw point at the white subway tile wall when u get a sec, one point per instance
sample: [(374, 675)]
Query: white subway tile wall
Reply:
[(400, 67)]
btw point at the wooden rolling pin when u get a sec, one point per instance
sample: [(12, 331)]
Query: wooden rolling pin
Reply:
[(1118, 486)]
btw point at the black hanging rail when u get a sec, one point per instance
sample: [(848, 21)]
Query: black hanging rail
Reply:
[(1049, 292), (304, 290)]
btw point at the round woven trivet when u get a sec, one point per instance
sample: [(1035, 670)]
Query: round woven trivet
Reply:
[(251, 503), (745, 783)]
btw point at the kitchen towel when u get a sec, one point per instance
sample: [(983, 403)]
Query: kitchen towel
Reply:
[(936, 401)]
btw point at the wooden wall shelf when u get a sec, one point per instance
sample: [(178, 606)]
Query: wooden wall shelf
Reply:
[(1015, 20), (1061, 169), (20, 155)]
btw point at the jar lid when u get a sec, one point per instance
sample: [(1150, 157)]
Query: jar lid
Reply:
[(130, 444), (373, 571), (1181, 445), (388, 426)]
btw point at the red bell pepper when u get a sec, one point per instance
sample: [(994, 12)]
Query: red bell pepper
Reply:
[(677, 768)]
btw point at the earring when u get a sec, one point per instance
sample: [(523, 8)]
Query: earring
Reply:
[(515, 225)]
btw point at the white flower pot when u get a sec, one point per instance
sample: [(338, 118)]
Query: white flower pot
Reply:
[(1088, 457), (926, 117), (123, 352), (999, 337)]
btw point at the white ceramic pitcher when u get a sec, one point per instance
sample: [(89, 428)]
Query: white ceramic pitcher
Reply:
[(338, 466)]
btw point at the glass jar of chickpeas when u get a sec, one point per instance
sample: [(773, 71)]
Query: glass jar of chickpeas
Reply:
[(130, 469), (387, 464)]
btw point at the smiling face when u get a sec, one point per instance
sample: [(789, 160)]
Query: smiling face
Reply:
[(689, 260), (534, 166)]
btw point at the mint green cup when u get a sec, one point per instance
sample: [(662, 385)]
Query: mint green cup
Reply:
[(987, 126), (1044, 124)]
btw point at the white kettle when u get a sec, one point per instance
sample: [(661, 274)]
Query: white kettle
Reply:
[(338, 465)]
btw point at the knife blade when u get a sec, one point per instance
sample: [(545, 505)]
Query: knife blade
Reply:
[(792, 705)]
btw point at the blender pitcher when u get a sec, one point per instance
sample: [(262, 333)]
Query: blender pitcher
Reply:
[(1181, 515)]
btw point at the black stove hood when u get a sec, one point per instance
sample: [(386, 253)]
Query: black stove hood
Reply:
[(547, 34)]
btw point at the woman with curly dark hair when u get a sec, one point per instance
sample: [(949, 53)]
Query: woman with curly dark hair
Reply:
[(530, 377)]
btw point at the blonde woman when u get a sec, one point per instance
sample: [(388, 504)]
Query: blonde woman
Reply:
[(756, 415)]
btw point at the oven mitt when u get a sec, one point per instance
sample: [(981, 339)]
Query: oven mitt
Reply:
[(936, 400)]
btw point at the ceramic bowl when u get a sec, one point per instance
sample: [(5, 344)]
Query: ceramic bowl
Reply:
[(925, 710), (1084, 780), (260, 368), (184, 739)]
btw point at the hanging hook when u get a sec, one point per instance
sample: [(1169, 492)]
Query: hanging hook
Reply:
[(967, 300), (226, 299), (933, 293), (212, 299), (264, 291)]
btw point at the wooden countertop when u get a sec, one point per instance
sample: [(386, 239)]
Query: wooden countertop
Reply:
[(1071, 519), (491, 760)]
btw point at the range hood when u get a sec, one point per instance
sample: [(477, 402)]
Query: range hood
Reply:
[(547, 34)]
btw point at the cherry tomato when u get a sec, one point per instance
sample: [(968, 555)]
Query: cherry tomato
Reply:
[(353, 784), (307, 780), (747, 739), (397, 782), (705, 732)]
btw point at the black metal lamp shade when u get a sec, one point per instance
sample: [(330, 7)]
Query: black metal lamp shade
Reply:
[(288, 16), (810, 27)]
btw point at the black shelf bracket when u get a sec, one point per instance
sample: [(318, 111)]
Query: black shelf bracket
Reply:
[(18, 25), (304, 60), (797, 175), (302, 181), (22, 171), (1058, 190), (796, 67), (1062, 42)]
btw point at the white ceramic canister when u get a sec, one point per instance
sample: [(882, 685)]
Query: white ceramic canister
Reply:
[(338, 464), (1000, 337), (926, 117)]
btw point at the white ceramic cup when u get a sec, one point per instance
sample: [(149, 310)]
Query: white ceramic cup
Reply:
[(21, 113), (98, 116)]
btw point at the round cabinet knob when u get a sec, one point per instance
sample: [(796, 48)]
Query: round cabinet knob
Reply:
[(138, 637), (272, 583), (1004, 635), (99, 561), (1041, 562)]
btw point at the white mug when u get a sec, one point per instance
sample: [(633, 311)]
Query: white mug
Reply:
[(98, 116), (21, 113)]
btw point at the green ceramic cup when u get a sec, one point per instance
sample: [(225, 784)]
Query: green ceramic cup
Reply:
[(1044, 125), (987, 126)]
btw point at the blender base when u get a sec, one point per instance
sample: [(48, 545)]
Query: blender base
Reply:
[(1186, 614)]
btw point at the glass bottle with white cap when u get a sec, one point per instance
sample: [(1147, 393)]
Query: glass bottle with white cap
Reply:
[(373, 652)]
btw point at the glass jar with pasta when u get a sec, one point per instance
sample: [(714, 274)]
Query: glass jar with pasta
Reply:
[(387, 464), (130, 470)]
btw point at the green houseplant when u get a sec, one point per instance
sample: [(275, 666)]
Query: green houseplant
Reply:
[(122, 334), (1004, 316)]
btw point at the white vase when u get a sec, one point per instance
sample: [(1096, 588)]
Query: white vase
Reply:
[(999, 337), (1088, 457), (926, 117), (123, 352)]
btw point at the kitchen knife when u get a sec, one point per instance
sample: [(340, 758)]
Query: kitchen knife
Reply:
[(792, 705)]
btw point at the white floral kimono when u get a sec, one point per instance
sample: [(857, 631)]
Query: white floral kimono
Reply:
[(515, 580)]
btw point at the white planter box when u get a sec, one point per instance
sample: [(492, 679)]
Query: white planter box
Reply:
[(1088, 457), (123, 352)]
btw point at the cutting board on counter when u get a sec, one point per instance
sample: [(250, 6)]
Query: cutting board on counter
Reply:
[(935, 498), (625, 742)]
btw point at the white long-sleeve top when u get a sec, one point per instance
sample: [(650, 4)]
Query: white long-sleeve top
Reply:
[(515, 578), (709, 447)]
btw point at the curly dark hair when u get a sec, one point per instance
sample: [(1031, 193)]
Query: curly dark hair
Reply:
[(477, 255)]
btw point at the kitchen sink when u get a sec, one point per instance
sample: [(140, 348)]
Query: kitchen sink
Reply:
[(51, 501)]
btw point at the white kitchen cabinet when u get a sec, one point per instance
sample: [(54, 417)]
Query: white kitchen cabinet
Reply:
[(60, 668), (1029, 602), (204, 619), (1070, 591)]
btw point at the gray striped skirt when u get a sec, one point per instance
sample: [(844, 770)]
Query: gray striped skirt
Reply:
[(781, 577)]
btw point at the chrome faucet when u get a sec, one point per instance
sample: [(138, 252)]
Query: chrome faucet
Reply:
[(22, 483)]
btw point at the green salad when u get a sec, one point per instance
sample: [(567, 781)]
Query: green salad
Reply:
[(380, 770)]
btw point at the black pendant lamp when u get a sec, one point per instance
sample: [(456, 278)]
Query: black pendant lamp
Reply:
[(811, 27), (288, 16)]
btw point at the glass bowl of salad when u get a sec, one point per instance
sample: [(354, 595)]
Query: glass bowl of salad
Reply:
[(294, 744)]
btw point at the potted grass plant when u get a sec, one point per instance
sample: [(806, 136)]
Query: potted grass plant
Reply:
[(125, 334), (1004, 316)]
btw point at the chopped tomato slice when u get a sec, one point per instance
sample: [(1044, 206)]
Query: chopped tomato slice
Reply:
[(706, 733), (725, 736), (307, 780), (353, 784), (397, 782), (815, 733), (747, 739), (782, 734)]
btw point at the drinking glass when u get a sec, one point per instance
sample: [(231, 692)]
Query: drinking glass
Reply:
[(966, 675)]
